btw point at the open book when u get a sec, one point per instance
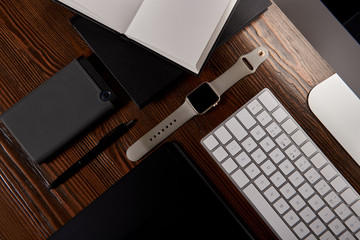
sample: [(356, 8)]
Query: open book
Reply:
[(183, 31)]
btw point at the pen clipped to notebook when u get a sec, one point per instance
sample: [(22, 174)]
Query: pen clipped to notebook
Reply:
[(104, 143)]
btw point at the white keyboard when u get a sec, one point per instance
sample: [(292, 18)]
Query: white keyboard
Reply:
[(283, 174)]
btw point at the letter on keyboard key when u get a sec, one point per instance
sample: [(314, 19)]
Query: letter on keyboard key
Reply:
[(317, 226), (249, 144), (254, 107), (336, 226), (301, 230), (269, 102), (353, 223), (268, 213), (240, 178), (236, 129)]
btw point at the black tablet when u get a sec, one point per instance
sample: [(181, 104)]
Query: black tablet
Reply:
[(164, 197)]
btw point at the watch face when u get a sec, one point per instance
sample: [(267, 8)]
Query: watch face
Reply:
[(203, 97)]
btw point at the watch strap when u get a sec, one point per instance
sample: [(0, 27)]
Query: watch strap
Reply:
[(247, 64), (155, 136)]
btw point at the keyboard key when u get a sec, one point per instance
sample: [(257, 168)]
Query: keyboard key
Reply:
[(286, 167), (280, 115), (297, 202), (346, 236), (291, 218), (301, 230), (277, 179), (246, 119), (258, 133), (336, 227), (283, 141), (311, 237), (267, 144), (298, 137), (254, 107), (233, 147), (316, 202), (326, 214), (308, 148), (252, 170), (281, 206), (318, 160), (236, 129), (242, 159), (268, 167), (272, 194), (349, 196), (296, 179), (264, 118), (292, 152), (312, 175), (307, 214), (353, 223), (287, 191), (210, 142), (240, 178), (356, 208), (220, 154), (306, 190), (268, 213), (302, 164), (322, 187), (289, 126), (332, 199), (328, 172), (222, 134), (258, 155), (269, 102), (262, 182), (229, 165), (249, 144), (327, 236), (273, 129), (318, 227), (338, 184), (342, 211), (277, 155)]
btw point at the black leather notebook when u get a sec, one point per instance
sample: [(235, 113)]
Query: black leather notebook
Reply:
[(59, 110), (140, 72), (164, 197)]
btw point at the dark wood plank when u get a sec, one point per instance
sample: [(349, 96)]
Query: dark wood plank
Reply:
[(36, 40)]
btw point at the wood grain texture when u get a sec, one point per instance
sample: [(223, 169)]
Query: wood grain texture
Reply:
[(36, 41)]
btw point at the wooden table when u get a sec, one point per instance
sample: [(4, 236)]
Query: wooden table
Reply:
[(37, 40)]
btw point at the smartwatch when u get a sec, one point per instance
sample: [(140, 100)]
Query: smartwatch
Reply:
[(199, 101)]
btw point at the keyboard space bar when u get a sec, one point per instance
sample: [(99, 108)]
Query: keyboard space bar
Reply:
[(268, 213)]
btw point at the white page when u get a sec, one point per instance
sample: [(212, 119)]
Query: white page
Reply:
[(178, 29), (116, 14)]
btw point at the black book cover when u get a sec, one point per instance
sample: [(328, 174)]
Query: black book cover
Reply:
[(141, 72)]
